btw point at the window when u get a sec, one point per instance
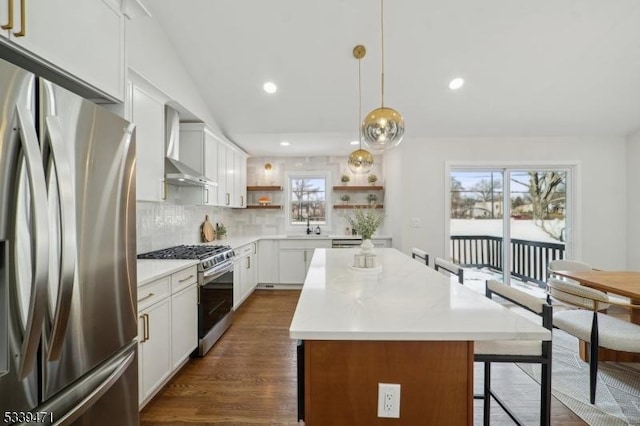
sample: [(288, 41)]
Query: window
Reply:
[(308, 199)]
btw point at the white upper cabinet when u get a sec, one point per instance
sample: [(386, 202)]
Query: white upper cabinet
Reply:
[(84, 38), (147, 112), (199, 150), (235, 176)]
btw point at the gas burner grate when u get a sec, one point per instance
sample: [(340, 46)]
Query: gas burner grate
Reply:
[(199, 252)]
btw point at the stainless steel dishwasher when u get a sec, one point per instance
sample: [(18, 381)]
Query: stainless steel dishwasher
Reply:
[(346, 243)]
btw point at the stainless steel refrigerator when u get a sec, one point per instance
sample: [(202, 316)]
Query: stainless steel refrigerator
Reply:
[(68, 352)]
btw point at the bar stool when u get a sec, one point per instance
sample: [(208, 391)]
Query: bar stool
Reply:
[(416, 253)]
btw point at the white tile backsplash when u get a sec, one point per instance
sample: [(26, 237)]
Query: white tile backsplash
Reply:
[(161, 225), (169, 223)]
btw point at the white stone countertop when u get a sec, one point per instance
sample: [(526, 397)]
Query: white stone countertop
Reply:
[(238, 241), (406, 300), (152, 269)]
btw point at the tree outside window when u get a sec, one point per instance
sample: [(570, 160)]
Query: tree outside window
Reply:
[(308, 200)]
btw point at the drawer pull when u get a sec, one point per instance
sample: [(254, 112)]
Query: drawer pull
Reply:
[(9, 24), (186, 279), (146, 297)]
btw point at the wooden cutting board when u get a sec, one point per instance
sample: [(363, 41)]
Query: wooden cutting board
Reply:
[(207, 230)]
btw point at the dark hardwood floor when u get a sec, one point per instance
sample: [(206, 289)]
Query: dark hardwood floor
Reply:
[(249, 377)]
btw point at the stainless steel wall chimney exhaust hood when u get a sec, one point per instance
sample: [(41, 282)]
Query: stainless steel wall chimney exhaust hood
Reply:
[(176, 172)]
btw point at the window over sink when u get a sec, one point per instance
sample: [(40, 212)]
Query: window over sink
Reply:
[(307, 199)]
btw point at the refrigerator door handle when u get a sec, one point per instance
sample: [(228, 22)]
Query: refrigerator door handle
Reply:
[(68, 253), (88, 401), (40, 220)]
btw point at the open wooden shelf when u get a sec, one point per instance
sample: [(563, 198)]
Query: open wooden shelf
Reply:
[(264, 188), (358, 188), (355, 206), (269, 207)]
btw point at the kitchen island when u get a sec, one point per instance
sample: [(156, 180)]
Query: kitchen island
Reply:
[(405, 324)]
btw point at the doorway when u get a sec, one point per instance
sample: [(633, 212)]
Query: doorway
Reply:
[(510, 222)]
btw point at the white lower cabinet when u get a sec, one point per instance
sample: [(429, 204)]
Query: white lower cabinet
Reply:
[(295, 257), (167, 329), (184, 324), (245, 273), (268, 262), (154, 337)]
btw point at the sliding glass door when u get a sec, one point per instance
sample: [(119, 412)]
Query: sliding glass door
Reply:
[(509, 222)]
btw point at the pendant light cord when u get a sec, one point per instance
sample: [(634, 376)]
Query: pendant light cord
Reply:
[(382, 53), (359, 103)]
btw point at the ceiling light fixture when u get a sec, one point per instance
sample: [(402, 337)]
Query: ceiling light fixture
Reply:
[(360, 161), (383, 127), (456, 83), (284, 143), (270, 87), (355, 142)]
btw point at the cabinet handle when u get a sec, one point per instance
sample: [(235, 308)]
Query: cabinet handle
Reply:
[(242, 201), (228, 199), (206, 195), (248, 262), (23, 20), (185, 279), (9, 24), (163, 189), (146, 327), (146, 297)]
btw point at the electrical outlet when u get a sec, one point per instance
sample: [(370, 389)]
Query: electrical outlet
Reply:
[(389, 400)]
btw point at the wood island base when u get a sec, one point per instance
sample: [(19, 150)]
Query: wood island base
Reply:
[(341, 382)]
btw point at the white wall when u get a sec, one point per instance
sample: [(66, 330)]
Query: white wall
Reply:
[(151, 54), (633, 201), (421, 173), (273, 222)]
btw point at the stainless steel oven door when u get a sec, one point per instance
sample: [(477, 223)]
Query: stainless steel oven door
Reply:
[(216, 299)]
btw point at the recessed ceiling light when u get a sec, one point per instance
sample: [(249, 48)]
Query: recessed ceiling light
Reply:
[(355, 143), (270, 87), (285, 143), (456, 83)]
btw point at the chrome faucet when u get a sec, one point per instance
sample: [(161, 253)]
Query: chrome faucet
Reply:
[(309, 231)]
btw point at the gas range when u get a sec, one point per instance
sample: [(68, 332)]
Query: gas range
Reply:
[(215, 288), (210, 257)]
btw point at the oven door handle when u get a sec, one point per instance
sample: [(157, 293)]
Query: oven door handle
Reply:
[(215, 274)]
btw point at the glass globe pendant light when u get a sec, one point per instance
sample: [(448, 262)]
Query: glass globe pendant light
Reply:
[(360, 161), (383, 127)]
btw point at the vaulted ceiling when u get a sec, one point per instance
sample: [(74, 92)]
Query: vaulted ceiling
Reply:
[(531, 67)]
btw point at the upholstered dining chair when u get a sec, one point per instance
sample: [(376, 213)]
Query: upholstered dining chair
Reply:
[(566, 265), (446, 267), (418, 254), (574, 265), (520, 351), (588, 324)]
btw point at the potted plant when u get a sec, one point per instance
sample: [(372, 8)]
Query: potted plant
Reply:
[(346, 198), (365, 222), (372, 179), (345, 179), (221, 230), (372, 199)]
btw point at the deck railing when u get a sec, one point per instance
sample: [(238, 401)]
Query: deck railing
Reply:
[(529, 259)]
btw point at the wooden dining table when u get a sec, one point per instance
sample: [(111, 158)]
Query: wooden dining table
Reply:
[(621, 283)]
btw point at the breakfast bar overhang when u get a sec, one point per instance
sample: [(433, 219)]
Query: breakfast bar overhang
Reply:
[(401, 323)]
